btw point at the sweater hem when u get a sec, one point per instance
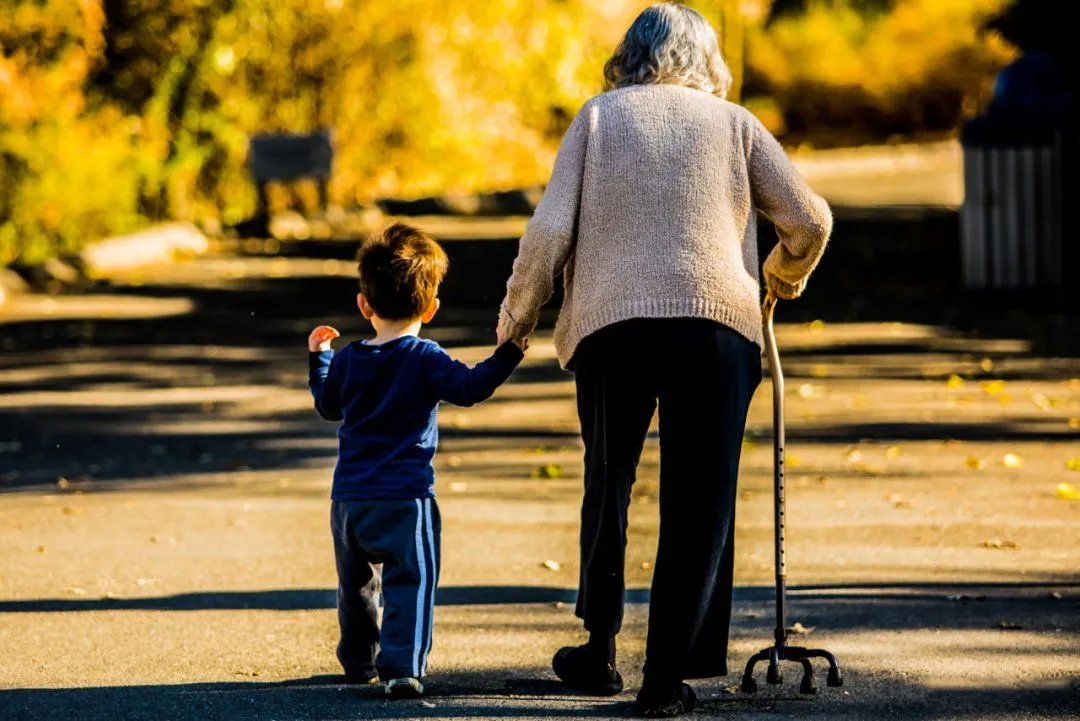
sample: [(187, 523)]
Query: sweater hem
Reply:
[(746, 325)]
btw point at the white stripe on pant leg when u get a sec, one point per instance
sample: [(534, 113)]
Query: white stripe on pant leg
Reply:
[(434, 580), (422, 563)]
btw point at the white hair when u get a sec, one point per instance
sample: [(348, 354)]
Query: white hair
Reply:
[(673, 44)]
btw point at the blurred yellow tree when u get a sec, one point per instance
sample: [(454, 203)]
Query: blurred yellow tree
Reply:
[(848, 71), (68, 168), (113, 112)]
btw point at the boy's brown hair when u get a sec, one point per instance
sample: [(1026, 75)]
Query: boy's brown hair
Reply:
[(400, 271)]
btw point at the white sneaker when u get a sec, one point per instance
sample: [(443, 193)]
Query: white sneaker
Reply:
[(407, 687)]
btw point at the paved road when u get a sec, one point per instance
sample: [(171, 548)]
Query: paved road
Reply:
[(165, 551)]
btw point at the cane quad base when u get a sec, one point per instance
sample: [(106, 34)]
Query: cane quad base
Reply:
[(795, 654)]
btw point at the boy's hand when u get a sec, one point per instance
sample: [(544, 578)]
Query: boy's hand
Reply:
[(321, 337), (522, 343)]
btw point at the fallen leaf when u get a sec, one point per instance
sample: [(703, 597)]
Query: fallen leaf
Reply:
[(854, 455), (975, 462), (798, 629), (954, 381), (548, 470), (1073, 464), (646, 565), (551, 565), (1011, 460), (992, 388), (1042, 402), (1074, 424), (62, 483), (987, 364), (819, 370), (71, 511), (41, 549), (1004, 399), (892, 452), (898, 500), (1067, 492), (816, 326), (997, 543), (792, 461)]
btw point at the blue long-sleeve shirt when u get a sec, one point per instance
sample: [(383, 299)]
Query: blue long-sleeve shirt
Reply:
[(387, 398)]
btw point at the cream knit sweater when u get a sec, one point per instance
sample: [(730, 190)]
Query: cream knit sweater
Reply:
[(650, 213)]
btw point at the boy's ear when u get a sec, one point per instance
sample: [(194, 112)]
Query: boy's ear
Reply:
[(365, 308), (430, 312)]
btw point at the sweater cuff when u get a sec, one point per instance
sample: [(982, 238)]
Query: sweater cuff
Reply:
[(510, 328), (784, 290), (509, 355), (319, 362)]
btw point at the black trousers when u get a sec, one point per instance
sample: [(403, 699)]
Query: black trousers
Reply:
[(702, 375)]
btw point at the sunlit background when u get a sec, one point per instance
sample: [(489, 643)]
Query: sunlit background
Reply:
[(164, 479), (115, 113)]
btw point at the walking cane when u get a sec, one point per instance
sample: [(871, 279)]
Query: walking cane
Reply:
[(780, 651)]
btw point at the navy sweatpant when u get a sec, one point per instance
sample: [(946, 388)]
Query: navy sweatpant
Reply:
[(702, 376), (402, 536)]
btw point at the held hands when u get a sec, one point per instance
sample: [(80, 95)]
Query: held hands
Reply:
[(501, 337), (320, 338)]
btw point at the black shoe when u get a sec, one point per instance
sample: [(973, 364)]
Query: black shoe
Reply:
[(666, 702), (580, 669)]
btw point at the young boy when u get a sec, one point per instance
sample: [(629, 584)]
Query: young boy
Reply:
[(386, 391)]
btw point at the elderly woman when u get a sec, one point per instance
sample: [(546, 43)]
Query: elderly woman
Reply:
[(650, 218)]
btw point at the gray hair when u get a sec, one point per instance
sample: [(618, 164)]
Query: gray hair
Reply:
[(673, 44)]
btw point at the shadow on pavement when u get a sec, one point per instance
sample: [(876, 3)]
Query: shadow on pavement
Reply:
[(523, 693), (1048, 604), (156, 391)]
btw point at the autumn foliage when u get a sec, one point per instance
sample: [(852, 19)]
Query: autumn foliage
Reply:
[(114, 113)]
